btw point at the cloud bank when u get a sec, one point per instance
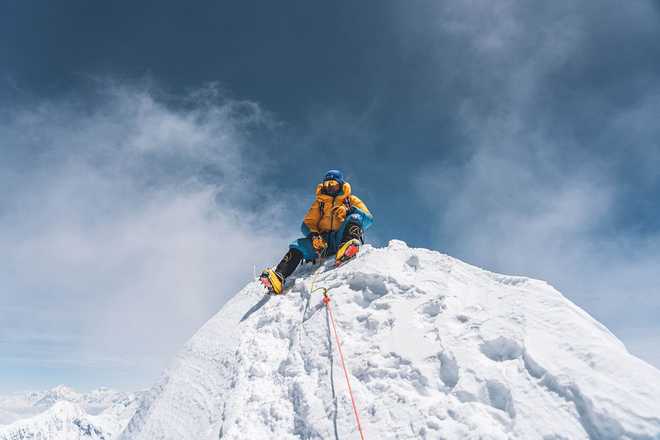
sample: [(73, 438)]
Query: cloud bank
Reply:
[(127, 217)]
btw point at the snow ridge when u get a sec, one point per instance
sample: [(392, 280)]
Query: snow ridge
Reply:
[(64, 414), (437, 349)]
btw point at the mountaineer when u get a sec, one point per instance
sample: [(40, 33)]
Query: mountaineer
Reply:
[(334, 224)]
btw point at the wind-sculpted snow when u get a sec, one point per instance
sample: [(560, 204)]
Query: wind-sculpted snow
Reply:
[(436, 348)]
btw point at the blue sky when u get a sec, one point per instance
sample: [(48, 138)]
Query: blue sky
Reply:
[(154, 154)]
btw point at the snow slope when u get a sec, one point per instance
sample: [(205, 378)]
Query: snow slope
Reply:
[(64, 414), (18, 406), (436, 348)]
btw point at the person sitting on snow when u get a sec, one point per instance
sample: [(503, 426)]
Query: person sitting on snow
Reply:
[(333, 225)]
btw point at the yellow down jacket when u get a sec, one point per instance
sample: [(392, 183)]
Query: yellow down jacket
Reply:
[(320, 216)]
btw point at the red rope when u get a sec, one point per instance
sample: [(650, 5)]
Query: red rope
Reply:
[(326, 301)]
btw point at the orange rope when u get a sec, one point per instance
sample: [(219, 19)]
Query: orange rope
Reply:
[(326, 301)]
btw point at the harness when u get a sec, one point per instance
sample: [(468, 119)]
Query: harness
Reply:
[(346, 202), (318, 223)]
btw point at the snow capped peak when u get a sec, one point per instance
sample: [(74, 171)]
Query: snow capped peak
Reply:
[(435, 348), (63, 390), (64, 420), (65, 408), (58, 393), (62, 413)]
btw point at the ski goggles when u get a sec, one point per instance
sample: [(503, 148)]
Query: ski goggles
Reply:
[(331, 186)]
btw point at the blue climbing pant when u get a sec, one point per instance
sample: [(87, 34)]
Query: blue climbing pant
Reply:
[(333, 238)]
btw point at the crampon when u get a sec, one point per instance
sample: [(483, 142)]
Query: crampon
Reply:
[(347, 251)]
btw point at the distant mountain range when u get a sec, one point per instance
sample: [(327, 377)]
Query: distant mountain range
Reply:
[(62, 413)]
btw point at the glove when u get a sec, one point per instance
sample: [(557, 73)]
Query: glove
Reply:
[(340, 212), (318, 243)]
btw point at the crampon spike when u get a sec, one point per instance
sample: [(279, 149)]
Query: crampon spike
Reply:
[(266, 282)]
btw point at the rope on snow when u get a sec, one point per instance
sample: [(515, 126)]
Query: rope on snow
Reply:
[(326, 301)]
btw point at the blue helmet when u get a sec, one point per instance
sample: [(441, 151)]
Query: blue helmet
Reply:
[(334, 175)]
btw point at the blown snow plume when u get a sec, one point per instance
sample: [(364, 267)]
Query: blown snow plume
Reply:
[(435, 348)]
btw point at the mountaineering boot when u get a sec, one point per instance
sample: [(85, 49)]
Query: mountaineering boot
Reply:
[(273, 281), (347, 251), (350, 243)]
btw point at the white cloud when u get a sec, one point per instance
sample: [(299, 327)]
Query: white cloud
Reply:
[(125, 222)]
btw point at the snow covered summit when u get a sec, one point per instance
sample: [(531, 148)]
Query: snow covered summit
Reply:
[(436, 348), (62, 413)]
